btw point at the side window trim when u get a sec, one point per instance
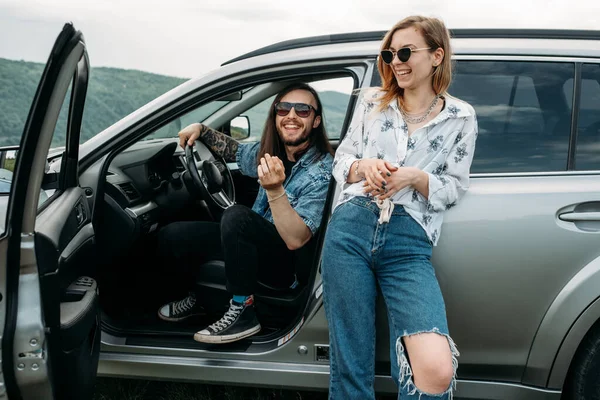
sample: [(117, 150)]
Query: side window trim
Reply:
[(576, 102)]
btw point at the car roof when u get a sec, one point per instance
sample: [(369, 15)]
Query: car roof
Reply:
[(509, 40)]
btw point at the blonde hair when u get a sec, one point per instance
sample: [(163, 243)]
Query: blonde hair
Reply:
[(436, 36)]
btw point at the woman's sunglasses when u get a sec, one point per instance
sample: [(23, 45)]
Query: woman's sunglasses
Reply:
[(403, 54), (302, 110)]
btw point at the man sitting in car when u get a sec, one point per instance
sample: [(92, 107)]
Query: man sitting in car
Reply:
[(293, 163)]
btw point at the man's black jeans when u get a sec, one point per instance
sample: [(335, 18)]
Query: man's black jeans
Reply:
[(249, 244)]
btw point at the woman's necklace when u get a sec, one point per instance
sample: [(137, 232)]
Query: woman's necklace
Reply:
[(418, 118)]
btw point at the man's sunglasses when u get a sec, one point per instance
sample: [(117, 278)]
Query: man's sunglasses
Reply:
[(403, 54), (302, 110)]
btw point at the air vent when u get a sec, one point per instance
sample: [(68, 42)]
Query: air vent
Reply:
[(129, 191)]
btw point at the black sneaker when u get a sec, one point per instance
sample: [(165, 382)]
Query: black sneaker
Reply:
[(180, 310), (237, 323)]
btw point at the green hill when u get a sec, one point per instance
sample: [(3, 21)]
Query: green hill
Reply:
[(112, 94)]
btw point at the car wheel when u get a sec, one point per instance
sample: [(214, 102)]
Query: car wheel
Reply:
[(582, 380)]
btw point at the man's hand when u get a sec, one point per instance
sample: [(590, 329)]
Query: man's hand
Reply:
[(271, 174), (218, 142), (291, 227), (189, 134)]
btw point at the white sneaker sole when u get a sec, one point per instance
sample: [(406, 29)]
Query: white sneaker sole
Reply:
[(226, 338)]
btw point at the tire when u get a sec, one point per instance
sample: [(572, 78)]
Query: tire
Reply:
[(583, 379)]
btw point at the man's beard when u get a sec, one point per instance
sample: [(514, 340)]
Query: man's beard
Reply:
[(297, 142)]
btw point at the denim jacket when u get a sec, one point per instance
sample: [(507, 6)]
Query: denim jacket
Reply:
[(306, 187)]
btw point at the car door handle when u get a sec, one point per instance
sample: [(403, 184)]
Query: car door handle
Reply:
[(580, 216)]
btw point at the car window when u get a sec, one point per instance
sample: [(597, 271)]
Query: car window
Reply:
[(257, 116), (8, 158), (334, 94), (587, 156), (7, 166), (197, 115), (522, 111), (254, 104), (57, 148)]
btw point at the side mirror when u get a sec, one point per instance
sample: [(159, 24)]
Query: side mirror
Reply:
[(240, 127)]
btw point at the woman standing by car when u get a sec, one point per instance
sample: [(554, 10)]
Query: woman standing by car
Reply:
[(404, 161)]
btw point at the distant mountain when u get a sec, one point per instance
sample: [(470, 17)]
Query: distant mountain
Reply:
[(112, 94)]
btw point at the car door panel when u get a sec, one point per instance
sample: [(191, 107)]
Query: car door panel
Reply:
[(65, 246), (66, 226), (50, 347), (505, 241)]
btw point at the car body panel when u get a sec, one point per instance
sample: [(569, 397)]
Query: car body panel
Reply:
[(565, 317), (506, 266)]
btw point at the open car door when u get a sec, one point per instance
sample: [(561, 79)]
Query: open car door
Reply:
[(49, 312)]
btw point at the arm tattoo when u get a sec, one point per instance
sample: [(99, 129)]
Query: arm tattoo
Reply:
[(220, 143)]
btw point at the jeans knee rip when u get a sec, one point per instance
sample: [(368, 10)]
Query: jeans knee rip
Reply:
[(406, 374)]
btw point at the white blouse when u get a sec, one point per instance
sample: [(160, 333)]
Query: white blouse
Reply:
[(443, 148)]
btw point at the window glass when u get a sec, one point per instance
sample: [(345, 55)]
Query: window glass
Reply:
[(7, 167), (587, 156), (334, 95), (254, 104), (523, 113)]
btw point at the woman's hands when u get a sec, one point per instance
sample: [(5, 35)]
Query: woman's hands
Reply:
[(375, 172), (383, 180)]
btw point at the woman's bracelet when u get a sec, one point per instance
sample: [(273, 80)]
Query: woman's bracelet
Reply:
[(356, 170), (275, 198)]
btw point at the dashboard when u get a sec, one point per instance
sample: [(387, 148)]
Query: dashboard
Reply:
[(145, 189), (145, 182), (141, 171)]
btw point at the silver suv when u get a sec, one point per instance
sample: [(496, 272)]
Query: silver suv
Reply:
[(518, 261)]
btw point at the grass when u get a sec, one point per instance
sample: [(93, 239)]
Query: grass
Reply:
[(134, 389), (130, 389), (9, 164)]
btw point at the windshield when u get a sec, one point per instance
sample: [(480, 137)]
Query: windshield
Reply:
[(4, 186), (198, 115)]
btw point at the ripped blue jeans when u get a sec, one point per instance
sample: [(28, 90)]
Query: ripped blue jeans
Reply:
[(360, 253)]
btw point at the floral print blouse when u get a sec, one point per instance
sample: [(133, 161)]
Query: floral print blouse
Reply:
[(443, 148)]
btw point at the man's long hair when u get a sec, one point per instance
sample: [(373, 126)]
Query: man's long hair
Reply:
[(271, 142)]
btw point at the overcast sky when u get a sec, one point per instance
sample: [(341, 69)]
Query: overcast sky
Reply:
[(188, 38)]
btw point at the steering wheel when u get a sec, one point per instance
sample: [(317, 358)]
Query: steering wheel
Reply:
[(210, 180)]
